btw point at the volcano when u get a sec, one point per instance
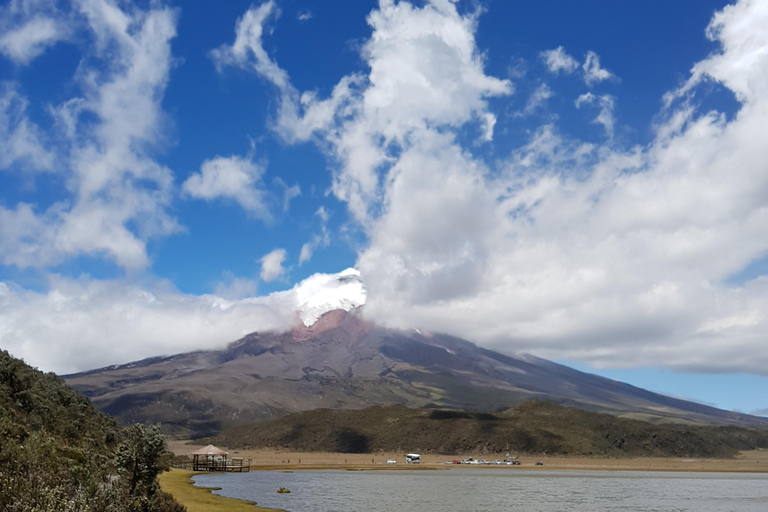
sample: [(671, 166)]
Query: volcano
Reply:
[(341, 361)]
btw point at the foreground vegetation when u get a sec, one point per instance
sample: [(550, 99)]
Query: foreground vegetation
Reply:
[(535, 427), (59, 453)]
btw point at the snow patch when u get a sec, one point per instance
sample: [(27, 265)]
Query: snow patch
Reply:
[(321, 293)]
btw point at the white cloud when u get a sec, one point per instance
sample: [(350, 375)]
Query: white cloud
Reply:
[(247, 48), (606, 104), (29, 27), (289, 193), (24, 43), (20, 139), (537, 100), (322, 239), (558, 60), (593, 73), (80, 324), (233, 177), (487, 126), (304, 15), (425, 73), (307, 250), (117, 194), (272, 265)]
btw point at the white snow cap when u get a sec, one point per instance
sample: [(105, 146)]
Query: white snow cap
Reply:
[(321, 293)]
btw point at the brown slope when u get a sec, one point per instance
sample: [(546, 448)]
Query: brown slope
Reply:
[(344, 362), (532, 428)]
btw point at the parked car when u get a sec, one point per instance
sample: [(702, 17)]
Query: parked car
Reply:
[(391, 461)]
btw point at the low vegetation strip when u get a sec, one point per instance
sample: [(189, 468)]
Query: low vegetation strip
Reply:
[(534, 428), (178, 483)]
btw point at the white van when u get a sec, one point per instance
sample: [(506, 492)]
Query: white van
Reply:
[(412, 458)]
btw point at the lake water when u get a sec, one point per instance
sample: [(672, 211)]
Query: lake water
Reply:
[(474, 490)]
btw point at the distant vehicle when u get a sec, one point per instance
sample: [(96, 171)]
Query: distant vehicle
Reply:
[(467, 461), (539, 463), (455, 461), (391, 461), (497, 462), (413, 458)]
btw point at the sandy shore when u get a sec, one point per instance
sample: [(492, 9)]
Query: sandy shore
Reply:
[(746, 462)]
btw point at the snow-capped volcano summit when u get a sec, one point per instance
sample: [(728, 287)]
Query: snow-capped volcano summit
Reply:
[(321, 293)]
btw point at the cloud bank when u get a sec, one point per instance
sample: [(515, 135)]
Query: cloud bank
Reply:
[(87, 323)]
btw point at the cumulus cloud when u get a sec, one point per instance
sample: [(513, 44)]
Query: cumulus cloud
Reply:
[(615, 257), (117, 194), (558, 60), (233, 177), (272, 265), (413, 55), (593, 73)]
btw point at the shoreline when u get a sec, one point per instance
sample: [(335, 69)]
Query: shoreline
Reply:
[(755, 461), (179, 484)]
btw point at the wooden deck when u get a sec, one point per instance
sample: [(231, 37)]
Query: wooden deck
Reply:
[(231, 466)]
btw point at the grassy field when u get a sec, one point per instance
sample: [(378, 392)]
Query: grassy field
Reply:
[(178, 482)]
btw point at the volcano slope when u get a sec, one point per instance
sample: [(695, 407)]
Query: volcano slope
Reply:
[(343, 362)]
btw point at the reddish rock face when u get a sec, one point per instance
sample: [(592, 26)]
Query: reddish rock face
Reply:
[(351, 323)]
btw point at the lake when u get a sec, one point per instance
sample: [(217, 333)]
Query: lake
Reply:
[(496, 489)]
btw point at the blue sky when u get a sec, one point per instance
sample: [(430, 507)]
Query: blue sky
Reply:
[(586, 183)]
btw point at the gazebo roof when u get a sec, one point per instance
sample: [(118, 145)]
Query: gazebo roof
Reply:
[(210, 450)]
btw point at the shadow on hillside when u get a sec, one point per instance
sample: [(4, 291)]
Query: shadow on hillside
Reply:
[(350, 441)]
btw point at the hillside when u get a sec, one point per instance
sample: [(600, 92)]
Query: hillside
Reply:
[(343, 362), (60, 453), (535, 427)]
